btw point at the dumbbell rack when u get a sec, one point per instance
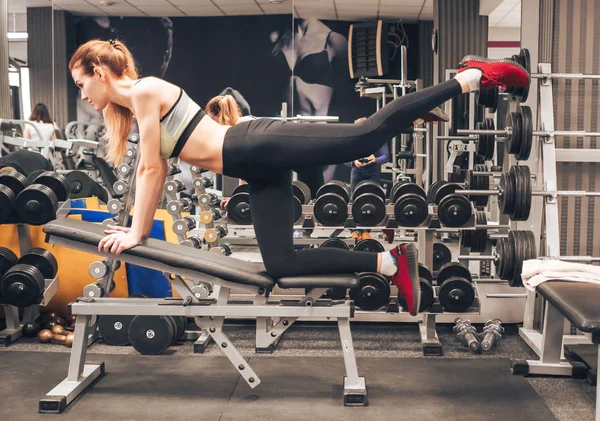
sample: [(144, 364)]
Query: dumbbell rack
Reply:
[(14, 328)]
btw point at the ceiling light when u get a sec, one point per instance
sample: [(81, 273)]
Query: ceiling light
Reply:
[(17, 35)]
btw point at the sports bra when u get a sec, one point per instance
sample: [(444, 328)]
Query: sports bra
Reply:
[(315, 67)]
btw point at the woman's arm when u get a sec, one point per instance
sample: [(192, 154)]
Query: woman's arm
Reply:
[(26, 134)]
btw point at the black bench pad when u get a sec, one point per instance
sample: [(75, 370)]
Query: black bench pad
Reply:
[(577, 301), (178, 256)]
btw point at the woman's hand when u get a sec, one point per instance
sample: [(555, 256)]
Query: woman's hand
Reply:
[(224, 202), (372, 159), (118, 239), (358, 164)]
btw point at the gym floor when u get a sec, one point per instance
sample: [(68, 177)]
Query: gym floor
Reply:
[(384, 351)]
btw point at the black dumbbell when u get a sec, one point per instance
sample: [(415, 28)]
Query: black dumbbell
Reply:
[(24, 283), (238, 206), (301, 197), (81, 184), (7, 260), (456, 291), (11, 184), (37, 203), (410, 204), (454, 210), (372, 293), (331, 205), (368, 204)]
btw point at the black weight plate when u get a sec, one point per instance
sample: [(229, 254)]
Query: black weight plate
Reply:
[(300, 187), (512, 142), (506, 200), (525, 178), (368, 186), (100, 192), (15, 181), (483, 183), (80, 183), (509, 260), (22, 286), (410, 210), (331, 209), (298, 193), (481, 143), (456, 295), (7, 203), (453, 270), (527, 134), (425, 273), (426, 297), (368, 210), (36, 205), (115, 329), (43, 260), (57, 183), (372, 293), (369, 245), (151, 335), (490, 139), (407, 188), (454, 211), (173, 323), (446, 190), (433, 190), (297, 209), (238, 209), (7, 260), (514, 239), (514, 175), (33, 175), (479, 237), (241, 188), (524, 59), (335, 243), (441, 256), (466, 238), (336, 187), (500, 256)]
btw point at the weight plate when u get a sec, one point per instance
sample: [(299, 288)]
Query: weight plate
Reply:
[(238, 209), (454, 211), (506, 200), (372, 293), (425, 273), (368, 210), (527, 193), (490, 139), (115, 329), (527, 134), (515, 242), (15, 181), (335, 293), (22, 286), (7, 203), (522, 93), (43, 260), (241, 188), (466, 238), (302, 187), (335, 243), (433, 190), (151, 335), (410, 210), (7, 260), (426, 297), (400, 189), (446, 190), (368, 186), (330, 209), (481, 143), (479, 237), (512, 143), (36, 205), (336, 187), (483, 183), (441, 256), (456, 295), (515, 177), (297, 209), (33, 175), (369, 245), (57, 183), (453, 270), (80, 183)]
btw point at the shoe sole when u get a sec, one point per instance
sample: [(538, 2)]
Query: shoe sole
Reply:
[(491, 60), (412, 261)]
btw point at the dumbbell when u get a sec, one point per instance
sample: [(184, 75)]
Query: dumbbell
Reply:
[(174, 187), (211, 215), (207, 199), (475, 240), (97, 290), (454, 210), (24, 283), (46, 336), (213, 234), (238, 206), (426, 282), (372, 292), (100, 268), (467, 334), (184, 225), (492, 332), (456, 293), (152, 335), (11, 184), (368, 204), (222, 249), (410, 204), (301, 194), (114, 329), (124, 169), (193, 241), (38, 202), (202, 183), (441, 256), (180, 205), (331, 204), (369, 245), (7, 260), (173, 169), (81, 185), (114, 206)]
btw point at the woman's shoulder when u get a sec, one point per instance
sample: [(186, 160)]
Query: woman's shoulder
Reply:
[(151, 84)]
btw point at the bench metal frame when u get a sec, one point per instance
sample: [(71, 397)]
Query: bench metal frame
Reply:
[(209, 315)]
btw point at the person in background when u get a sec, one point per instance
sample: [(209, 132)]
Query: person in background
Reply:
[(40, 117), (367, 168), (24, 162)]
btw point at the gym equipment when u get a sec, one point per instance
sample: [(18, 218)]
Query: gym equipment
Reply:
[(427, 296), (37, 203), (46, 336), (7, 260), (213, 234), (11, 184), (456, 293), (238, 206), (488, 97), (492, 332), (301, 191), (523, 58), (209, 314), (331, 204), (410, 204), (372, 293), (467, 334), (368, 204), (475, 240), (81, 184), (333, 293), (23, 284), (152, 335), (475, 182), (453, 210), (114, 329), (485, 144), (441, 256), (370, 245), (224, 249)]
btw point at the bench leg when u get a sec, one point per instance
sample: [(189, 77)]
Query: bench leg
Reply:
[(268, 336), (355, 388), (80, 375)]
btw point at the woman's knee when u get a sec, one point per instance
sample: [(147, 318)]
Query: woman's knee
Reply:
[(279, 265)]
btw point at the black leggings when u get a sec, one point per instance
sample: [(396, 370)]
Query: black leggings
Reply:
[(264, 152)]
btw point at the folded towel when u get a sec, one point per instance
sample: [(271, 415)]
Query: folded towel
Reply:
[(537, 271)]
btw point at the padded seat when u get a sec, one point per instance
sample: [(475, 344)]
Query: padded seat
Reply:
[(178, 256), (577, 301)]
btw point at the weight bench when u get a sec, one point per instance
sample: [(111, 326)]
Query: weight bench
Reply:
[(578, 302), (224, 274)]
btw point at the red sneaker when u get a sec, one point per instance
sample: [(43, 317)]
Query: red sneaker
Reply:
[(500, 72), (406, 278), (389, 235)]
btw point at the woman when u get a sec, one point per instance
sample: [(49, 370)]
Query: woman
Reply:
[(261, 152), (40, 117)]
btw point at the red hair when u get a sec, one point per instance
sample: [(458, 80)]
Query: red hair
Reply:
[(225, 110)]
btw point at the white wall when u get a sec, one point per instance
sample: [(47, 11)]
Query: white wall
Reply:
[(503, 34)]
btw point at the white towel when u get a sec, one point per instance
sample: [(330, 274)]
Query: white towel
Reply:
[(537, 271)]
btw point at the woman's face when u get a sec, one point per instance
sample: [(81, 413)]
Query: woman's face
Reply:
[(93, 88)]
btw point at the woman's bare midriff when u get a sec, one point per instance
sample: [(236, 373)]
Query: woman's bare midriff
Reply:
[(204, 148)]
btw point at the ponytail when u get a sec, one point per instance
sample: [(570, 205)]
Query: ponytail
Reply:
[(224, 110)]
